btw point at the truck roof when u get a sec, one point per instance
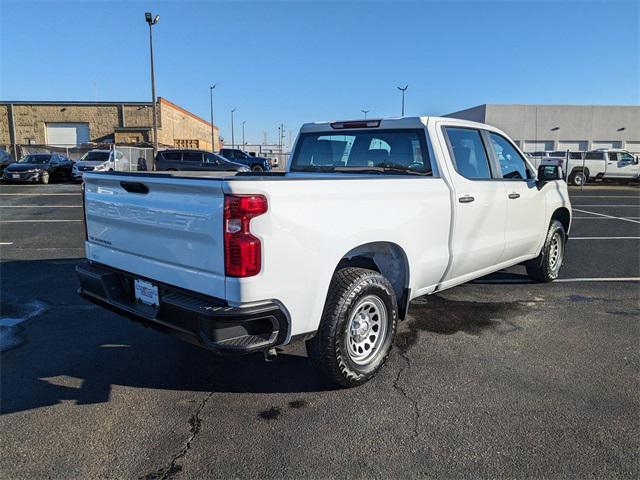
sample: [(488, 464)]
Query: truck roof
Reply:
[(387, 123)]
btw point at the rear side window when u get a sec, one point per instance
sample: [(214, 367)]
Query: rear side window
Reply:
[(468, 153), (172, 156), (594, 156), (512, 165), (192, 157)]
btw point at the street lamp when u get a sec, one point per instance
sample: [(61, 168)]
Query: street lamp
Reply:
[(403, 90), (243, 142), (151, 20), (365, 113), (213, 142), (233, 140)]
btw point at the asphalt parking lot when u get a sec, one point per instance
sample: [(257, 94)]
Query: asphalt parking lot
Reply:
[(498, 378)]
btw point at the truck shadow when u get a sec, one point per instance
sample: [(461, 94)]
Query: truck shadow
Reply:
[(74, 351)]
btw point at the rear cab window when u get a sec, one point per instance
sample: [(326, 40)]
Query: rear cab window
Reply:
[(391, 151)]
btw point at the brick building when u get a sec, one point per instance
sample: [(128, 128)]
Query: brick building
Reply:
[(76, 123)]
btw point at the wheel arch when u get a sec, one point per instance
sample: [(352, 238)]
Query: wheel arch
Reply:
[(563, 215), (387, 258)]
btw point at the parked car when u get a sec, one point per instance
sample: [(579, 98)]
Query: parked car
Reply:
[(604, 164), (100, 161), (38, 167), (196, 160), (369, 215), (257, 164), (5, 159)]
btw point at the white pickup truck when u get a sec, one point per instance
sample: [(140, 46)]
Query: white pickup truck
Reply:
[(369, 215), (605, 164)]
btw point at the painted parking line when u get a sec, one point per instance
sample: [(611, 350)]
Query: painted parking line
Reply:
[(40, 206), (603, 218), (605, 238), (38, 221), (6, 243), (38, 194), (499, 281), (613, 205), (605, 196), (624, 219)]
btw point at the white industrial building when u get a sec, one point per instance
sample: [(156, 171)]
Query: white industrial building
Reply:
[(562, 127)]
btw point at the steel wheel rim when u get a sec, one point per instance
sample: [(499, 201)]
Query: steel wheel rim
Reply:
[(555, 252), (367, 330)]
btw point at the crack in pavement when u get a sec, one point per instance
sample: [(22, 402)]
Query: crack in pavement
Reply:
[(195, 422), (403, 392)]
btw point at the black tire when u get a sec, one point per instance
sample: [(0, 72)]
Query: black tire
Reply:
[(578, 178), (545, 268), (44, 179), (257, 168), (329, 350)]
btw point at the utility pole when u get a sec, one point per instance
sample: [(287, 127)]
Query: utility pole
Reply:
[(213, 141), (403, 90), (243, 142), (365, 113), (151, 20), (233, 140)]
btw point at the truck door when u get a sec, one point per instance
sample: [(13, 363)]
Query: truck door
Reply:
[(621, 165), (480, 205), (525, 204)]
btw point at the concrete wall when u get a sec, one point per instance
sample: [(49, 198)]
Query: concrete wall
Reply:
[(555, 127)]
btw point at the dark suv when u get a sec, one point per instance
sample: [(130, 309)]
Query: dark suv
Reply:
[(257, 164), (195, 160)]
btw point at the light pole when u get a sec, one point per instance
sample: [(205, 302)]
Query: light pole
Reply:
[(151, 20), (243, 142), (213, 141), (365, 113), (233, 140), (403, 90)]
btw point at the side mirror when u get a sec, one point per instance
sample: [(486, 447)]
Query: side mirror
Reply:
[(548, 173)]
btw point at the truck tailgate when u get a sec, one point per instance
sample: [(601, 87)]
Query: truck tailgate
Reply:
[(159, 227)]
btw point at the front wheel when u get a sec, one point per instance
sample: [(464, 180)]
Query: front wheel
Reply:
[(357, 327), (546, 266), (257, 168)]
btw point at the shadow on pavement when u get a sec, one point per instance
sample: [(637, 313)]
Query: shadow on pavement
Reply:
[(74, 351)]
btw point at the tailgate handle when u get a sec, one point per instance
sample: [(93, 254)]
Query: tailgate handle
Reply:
[(134, 187)]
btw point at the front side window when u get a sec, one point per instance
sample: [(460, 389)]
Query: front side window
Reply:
[(512, 165), (627, 157), (363, 151), (468, 153), (213, 158)]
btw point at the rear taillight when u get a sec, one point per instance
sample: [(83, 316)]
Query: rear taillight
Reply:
[(242, 250), (84, 212)]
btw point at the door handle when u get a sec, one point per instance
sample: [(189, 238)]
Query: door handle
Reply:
[(466, 199), (513, 196)]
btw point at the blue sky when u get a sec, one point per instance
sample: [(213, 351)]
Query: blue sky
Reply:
[(294, 62)]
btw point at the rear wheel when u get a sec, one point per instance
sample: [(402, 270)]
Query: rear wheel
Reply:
[(546, 266), (578, 178), (357, 327)]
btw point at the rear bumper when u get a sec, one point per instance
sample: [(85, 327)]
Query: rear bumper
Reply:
[(199, 319)]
